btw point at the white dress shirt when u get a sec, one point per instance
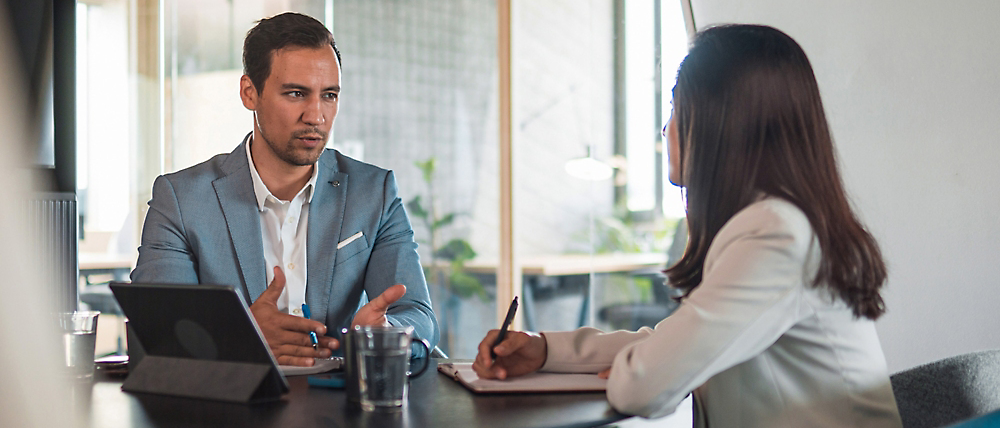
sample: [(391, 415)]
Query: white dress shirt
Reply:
[(757, 343), (284, 226)]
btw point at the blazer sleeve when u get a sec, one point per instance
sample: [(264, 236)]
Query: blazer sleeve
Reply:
[(749, 296), (165, 255), (394, 260)]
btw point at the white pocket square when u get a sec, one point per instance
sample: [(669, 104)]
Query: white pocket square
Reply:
[(344, 243)]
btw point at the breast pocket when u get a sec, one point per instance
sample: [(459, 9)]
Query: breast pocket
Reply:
[(351, 246)]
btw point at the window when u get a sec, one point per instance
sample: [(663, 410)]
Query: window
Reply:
[(654, 43), (673, 41)]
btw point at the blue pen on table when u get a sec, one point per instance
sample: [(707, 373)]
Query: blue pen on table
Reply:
[(506, 324), (312, 334)]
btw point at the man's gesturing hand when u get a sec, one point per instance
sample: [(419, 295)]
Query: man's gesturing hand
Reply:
[(288, 335), (373, 313)]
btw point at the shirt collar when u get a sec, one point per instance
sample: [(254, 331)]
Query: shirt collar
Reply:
[(260, 190)]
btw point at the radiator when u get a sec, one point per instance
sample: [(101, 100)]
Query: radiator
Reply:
[(52, 223)]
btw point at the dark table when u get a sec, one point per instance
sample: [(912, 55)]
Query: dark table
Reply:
[(434, 401)]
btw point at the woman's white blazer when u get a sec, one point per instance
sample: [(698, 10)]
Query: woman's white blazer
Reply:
[(757, 343)]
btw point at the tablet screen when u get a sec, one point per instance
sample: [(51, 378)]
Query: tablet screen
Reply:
[(205, 322)]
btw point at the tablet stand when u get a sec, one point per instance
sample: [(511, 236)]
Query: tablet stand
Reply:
[(205, 379)]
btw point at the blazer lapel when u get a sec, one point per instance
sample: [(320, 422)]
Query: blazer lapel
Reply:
[(326, 218), (239, 206)]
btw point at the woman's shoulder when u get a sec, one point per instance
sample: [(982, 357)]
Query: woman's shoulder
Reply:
[(775, 211), (770, 217)]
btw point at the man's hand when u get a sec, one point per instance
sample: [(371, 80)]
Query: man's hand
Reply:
[(520, 353), (373, 312), (288, 335)]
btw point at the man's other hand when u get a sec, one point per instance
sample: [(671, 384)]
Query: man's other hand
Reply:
[(373, 313), (288, 335)]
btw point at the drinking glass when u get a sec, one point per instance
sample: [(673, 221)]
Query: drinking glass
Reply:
[(79, 334), (383, 355)]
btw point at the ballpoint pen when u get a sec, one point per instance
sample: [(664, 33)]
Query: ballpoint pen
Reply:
[(312, 334), (506, 324)]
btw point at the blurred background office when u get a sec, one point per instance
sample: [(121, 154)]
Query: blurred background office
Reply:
[(156, 92), (144, 87)]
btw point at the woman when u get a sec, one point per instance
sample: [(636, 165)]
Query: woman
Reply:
[(781, 281)]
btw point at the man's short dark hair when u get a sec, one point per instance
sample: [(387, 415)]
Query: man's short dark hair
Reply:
[(277, 32)]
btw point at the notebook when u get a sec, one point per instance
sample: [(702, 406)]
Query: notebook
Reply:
[(320, 365), (534, 382)]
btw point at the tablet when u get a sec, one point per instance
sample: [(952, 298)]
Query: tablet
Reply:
[(200, 322)]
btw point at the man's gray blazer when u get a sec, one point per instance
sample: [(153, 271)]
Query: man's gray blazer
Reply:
[(203, 227)]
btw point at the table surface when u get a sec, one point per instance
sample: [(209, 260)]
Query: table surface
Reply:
[(105, 261), (434, 401), (574, 264), (548, 265)]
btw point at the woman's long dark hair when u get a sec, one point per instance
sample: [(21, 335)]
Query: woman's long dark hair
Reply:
[(750, 121)]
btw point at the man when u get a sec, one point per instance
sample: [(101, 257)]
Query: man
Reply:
[(313, 225)]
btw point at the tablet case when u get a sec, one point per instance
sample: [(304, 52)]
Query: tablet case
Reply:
[(200, 341)]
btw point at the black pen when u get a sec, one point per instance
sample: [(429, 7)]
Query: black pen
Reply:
[(506, 324)]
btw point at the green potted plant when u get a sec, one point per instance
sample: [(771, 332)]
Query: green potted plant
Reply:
[(446, 270)]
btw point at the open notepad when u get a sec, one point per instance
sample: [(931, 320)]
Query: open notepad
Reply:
[(534, 382)]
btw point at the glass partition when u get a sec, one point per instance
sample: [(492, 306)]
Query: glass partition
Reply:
[(563, 73), (591, 82), (419, 97)]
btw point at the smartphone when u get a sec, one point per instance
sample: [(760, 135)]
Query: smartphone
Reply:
[(334, 380), (112, 365)]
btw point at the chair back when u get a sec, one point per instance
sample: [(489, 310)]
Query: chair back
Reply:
[(949, 390)]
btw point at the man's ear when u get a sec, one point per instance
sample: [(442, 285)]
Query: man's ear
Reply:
[(248, 93)]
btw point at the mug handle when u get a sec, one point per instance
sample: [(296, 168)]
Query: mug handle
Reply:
[(427, 358)]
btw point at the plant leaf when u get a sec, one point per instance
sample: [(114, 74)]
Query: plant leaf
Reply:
[(457, 250), (416, 208), (465, 285), (444, 221), (427, 167)]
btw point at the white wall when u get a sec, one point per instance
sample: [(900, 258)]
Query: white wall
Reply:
[(913, 94)]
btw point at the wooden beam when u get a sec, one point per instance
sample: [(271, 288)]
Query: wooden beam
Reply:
[(508, 274)]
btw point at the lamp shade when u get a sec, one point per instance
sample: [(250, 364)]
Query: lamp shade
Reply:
[(588, 168)]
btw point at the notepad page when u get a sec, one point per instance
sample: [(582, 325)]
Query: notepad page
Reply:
[(321, 365), (534, 382)]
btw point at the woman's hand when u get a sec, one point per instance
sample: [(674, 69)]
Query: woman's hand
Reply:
[(520, 353)]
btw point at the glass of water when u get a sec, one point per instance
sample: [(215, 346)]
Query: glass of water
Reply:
[(384, 365), (79, 334)]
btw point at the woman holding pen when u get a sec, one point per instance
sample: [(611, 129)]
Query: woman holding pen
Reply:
[(781, 281)]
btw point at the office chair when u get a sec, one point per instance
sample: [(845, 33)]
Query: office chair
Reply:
[(948, 390)]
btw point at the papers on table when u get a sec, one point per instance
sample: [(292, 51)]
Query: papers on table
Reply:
[(321, 365)]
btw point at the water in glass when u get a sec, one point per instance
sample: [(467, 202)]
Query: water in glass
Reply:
[(383, 378)]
